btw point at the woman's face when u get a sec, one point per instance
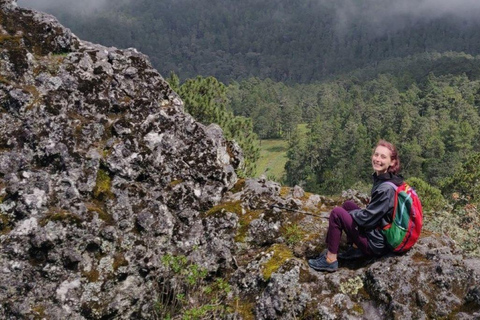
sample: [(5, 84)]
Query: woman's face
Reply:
[(381, 159)]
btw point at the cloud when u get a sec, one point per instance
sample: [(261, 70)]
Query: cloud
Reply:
[(380, 16), (80, 7)]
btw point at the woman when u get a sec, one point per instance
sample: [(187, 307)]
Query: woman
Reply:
[(363, 226)]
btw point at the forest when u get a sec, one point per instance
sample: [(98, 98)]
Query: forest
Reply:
[(351, 72), (290, 41)]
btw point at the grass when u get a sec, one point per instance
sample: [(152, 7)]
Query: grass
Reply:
[(273, 156)]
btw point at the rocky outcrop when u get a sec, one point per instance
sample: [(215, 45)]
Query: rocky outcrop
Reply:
[(101, 174), (115, 204)]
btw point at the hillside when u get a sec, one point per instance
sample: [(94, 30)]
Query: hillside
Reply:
[(115, 204), (296, 42)]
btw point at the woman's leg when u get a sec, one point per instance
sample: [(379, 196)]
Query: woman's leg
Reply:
[(340, 220), (349, 205)]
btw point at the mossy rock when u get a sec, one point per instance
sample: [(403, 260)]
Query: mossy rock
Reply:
[(244, 223), (281, 254), (97, 207), (5, 223), (119, 261), (238, 186), (103, 186), (60, 215), (233, 206)]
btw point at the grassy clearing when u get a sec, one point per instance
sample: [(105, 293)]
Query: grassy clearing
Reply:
[(273, 156)]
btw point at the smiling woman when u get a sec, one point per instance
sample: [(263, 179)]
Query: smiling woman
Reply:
[(385, 158), (363, 227)]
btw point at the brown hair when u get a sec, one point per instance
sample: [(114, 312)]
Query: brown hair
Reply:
[(395, 168)]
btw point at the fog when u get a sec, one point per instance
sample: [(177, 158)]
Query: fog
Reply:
[(386, 15), (81, 7), (379, 15)]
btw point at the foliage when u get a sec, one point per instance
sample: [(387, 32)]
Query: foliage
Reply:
[(293, 234), (461, 222), (435, 125), (186, 293), (466, 179), (431, 197), (205, 100)]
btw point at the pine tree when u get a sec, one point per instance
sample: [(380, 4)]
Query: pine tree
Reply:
[(205, 99)]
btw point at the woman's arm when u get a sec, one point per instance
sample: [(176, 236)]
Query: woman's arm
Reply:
[(382, 202)]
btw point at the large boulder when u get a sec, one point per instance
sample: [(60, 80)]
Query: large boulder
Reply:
[(101, 174)]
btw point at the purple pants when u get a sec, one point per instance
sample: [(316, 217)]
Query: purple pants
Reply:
[(340, 220)]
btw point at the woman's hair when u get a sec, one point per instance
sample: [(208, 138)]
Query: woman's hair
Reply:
[(395, 168)]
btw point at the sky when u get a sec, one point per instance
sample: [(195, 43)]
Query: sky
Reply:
[(373, 10), (74, 6), (383, 15)]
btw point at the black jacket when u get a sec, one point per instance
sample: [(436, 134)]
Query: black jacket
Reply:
[(378, 212)]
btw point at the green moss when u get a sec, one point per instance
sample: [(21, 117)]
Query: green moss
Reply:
[(175, 182), (119, 261), (244, 223), (293, 234), (103, 185), (358, 309), (234, 206), (244, 307), (60, 215), (96, 207), (284, 191), (38, 312), (92, 275), (238, 186), (281, 254), (5, 224)]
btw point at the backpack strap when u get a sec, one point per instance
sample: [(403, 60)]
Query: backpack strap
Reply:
[(391, 184)]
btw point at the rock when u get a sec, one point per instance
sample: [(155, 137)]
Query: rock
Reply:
[(100, 172), (115, 204)]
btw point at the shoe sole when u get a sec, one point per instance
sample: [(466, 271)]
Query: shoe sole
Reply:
[(326, 270)]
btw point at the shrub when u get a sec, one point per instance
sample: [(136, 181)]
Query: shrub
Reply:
[(431, 197)]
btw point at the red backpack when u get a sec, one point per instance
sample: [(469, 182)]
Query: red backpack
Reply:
[(407, 219)]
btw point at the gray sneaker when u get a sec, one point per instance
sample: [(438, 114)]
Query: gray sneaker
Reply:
[(321, 264)]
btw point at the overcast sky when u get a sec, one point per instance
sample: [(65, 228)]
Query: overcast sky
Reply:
[(385, 13), (388, 14), (74, 6), (384, 8)]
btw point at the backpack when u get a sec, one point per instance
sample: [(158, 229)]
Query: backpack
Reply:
[(407, 219)]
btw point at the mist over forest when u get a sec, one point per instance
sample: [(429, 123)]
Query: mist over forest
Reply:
[(295, 42)]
